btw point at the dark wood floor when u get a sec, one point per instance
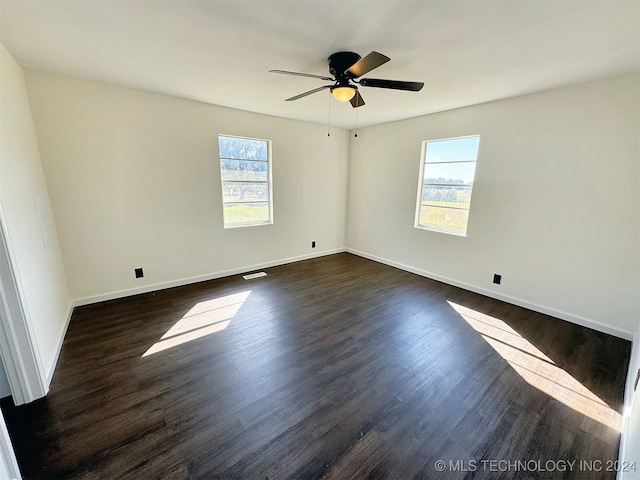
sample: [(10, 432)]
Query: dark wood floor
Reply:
[(336, 367)]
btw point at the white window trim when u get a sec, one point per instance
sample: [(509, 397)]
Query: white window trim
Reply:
[(269, 183), (423, 152)]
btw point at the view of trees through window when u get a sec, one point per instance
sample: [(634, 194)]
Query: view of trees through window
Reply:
[(447, 173), (246, 180)]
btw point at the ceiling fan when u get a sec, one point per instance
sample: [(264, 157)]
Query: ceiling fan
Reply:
[(346, 67)]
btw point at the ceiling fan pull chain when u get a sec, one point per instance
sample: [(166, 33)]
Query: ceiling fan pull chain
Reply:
[(356, 135), (329, 119)]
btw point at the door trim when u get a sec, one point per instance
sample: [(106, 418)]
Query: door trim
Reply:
[(18, 347)]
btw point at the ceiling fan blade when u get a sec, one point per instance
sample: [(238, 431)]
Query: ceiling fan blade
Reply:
[(357, 100), (366, 64), (297, 97), (393, 84), (297, 74)]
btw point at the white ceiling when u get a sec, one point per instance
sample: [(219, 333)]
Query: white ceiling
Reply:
[(220, 52)]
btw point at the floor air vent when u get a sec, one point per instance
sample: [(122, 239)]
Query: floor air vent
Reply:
[(251, 276)]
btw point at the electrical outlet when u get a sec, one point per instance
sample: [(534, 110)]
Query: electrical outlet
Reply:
[(313, 244), (497, 278), (139, 273)]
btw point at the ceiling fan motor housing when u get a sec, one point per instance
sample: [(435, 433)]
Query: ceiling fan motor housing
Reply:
[(339, 62)]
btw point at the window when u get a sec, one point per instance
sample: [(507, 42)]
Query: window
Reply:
[(446, 179), (245, 168)]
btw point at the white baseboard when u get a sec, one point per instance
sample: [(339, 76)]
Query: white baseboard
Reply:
[(578, 320), (199, 278), (52, 366)]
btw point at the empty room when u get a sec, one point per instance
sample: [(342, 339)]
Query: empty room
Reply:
[(317, 239)]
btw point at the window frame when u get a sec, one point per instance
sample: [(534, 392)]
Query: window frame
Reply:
[(422, 183), (268, 183)]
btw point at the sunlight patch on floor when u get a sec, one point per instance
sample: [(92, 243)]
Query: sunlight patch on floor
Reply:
[(205, 318), (537, 369)]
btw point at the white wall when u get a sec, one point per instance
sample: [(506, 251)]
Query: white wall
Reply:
[(555, 207), (38, 264), (134, 179)]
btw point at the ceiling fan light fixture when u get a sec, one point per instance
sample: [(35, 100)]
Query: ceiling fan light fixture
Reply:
[(343, 94)]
